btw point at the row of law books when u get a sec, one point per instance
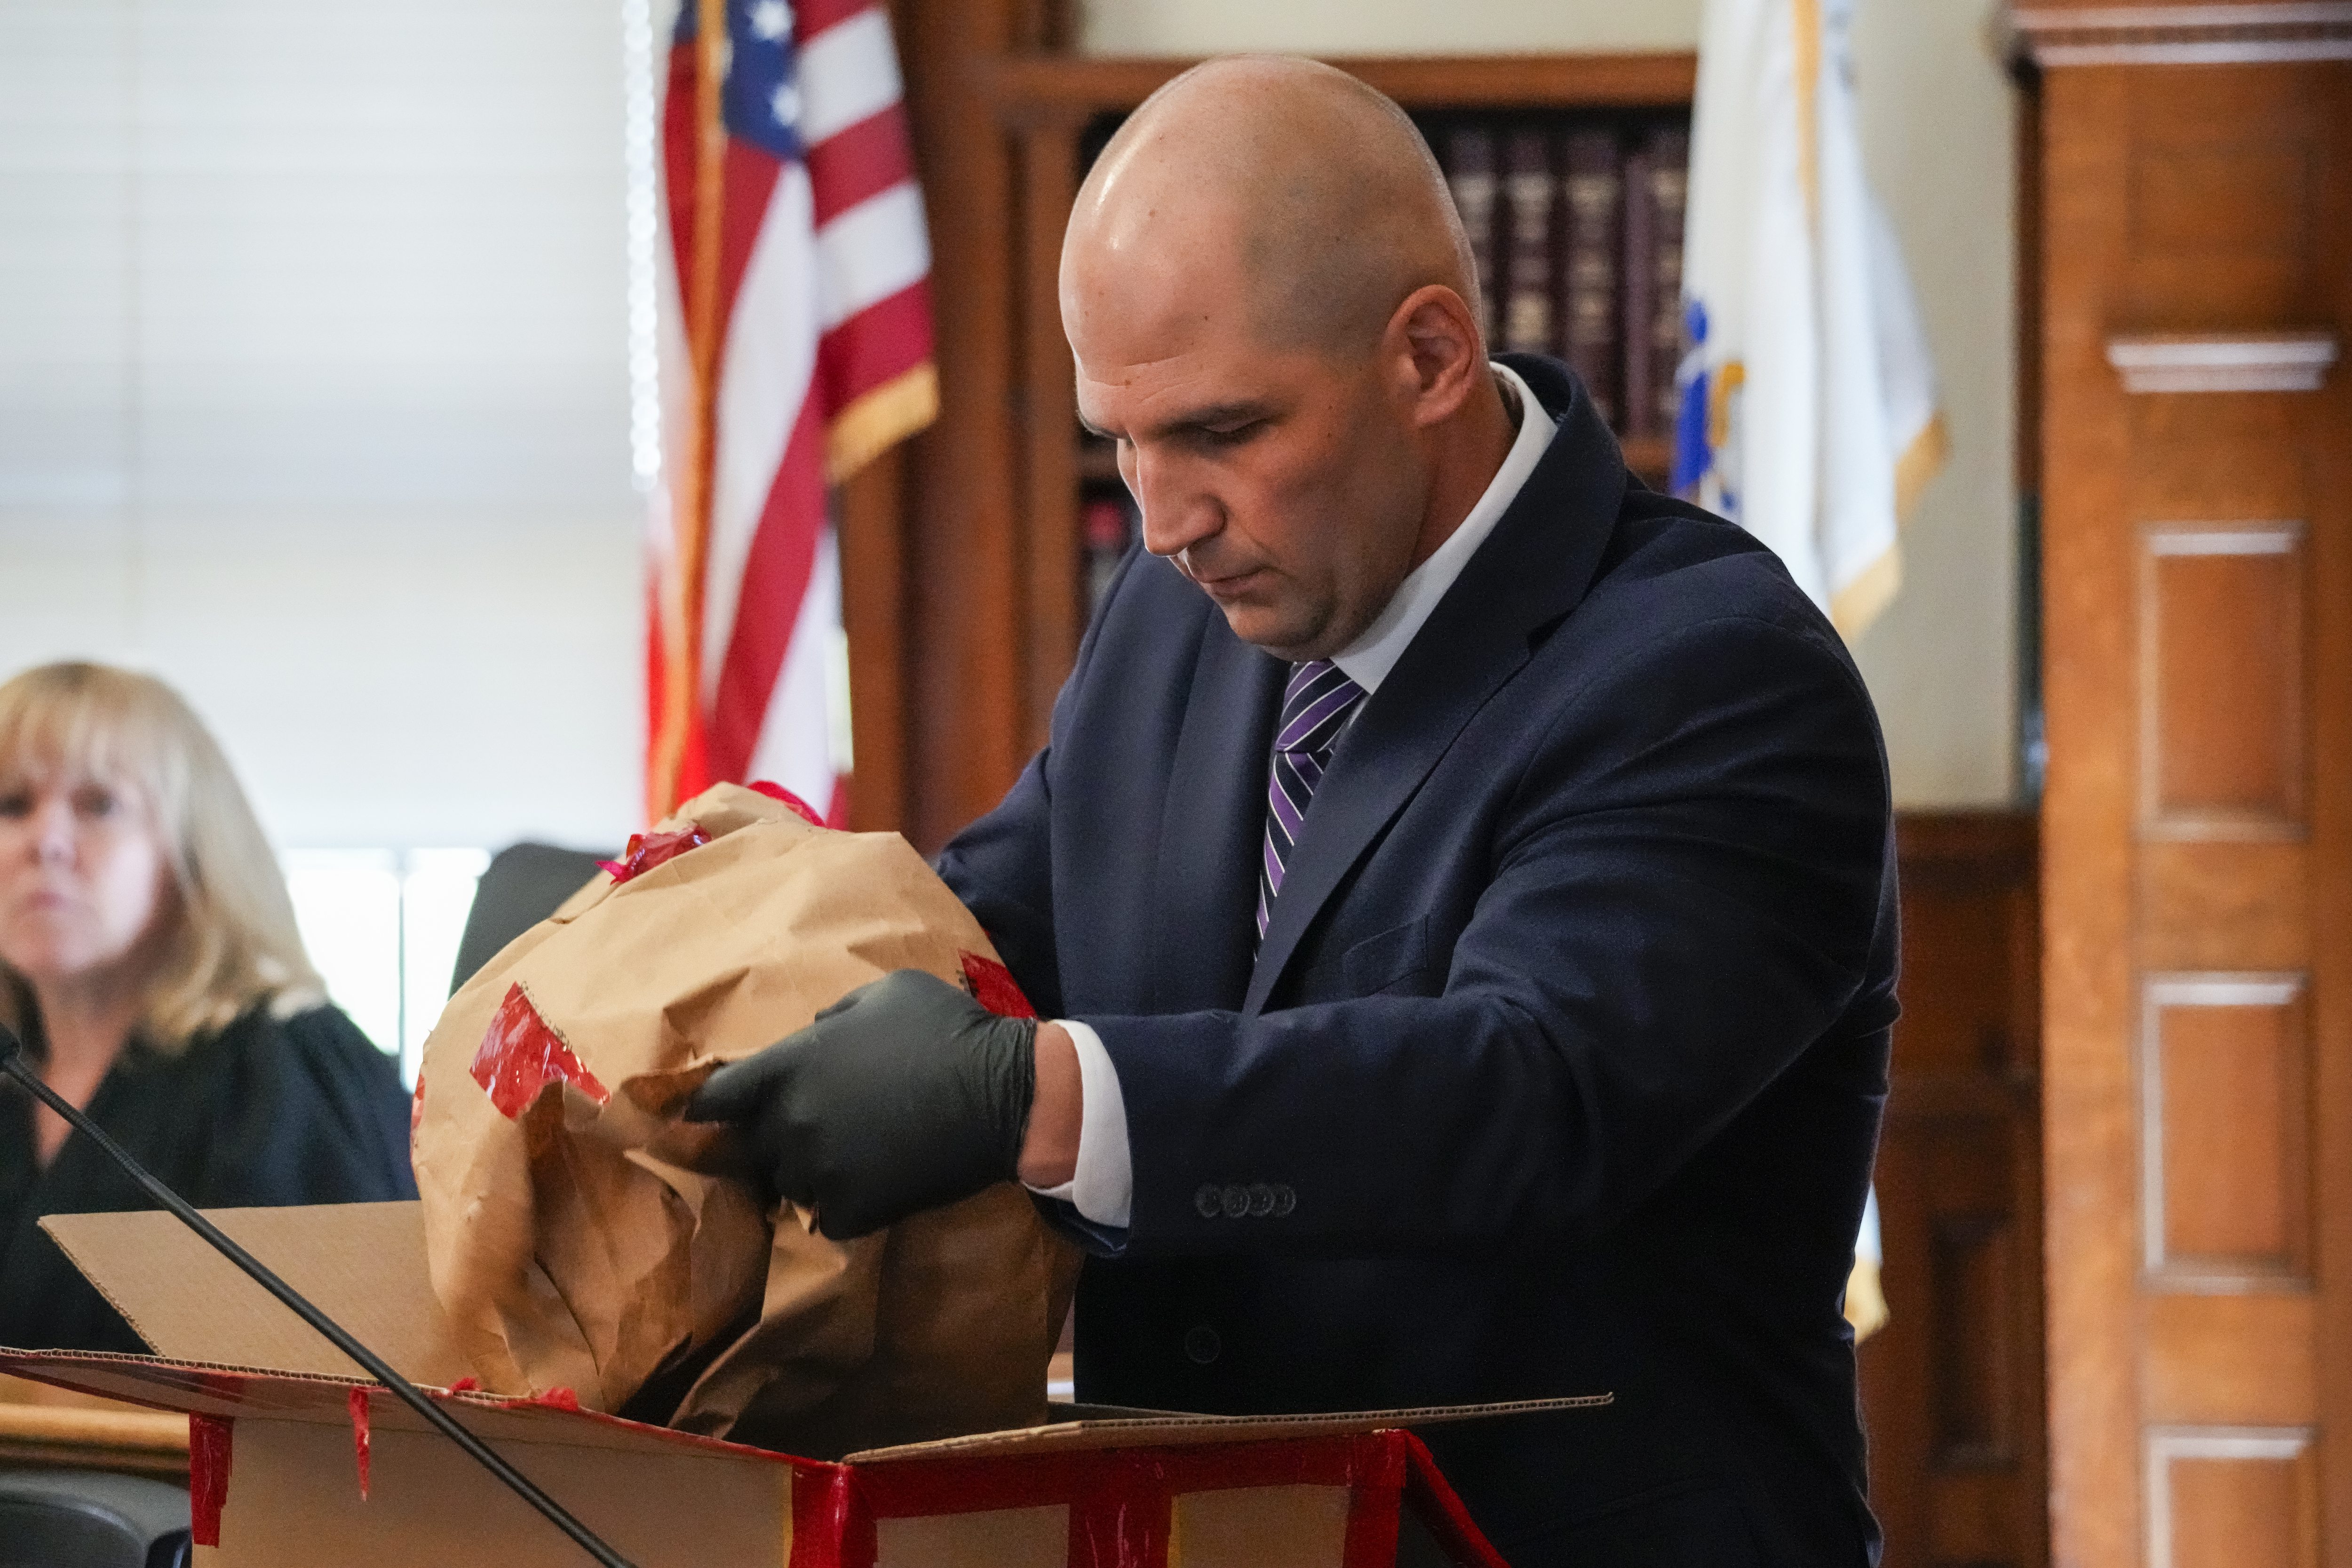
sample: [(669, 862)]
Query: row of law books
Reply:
[(1577, 225)]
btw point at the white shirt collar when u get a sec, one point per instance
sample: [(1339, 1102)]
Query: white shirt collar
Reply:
[(1367, 660)]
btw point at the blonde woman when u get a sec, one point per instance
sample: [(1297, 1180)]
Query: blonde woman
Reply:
[(148, 960)]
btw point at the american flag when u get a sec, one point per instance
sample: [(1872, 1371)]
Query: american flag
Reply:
[(798, 340)]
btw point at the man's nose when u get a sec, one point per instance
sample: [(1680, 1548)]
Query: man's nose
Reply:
[(1175, 517)]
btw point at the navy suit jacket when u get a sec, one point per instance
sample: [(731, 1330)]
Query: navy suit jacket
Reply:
[(1560, 1069)]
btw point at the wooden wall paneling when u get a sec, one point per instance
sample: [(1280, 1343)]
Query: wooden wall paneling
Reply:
[(2224, 1496), (1049, 181), (2198, 550), (2222, 905), (2088, 809), (874, 614), (2225, 1357), (966, 689), (2323, 439), (2225, 1144), (1952, 1386), (2221, 687)]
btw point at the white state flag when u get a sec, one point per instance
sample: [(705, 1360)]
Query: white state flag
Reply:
[(1808, 409)]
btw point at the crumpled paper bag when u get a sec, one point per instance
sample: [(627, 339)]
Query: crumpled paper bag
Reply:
[(581, 1236)]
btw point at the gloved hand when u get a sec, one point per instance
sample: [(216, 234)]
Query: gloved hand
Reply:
[(903, 1095)]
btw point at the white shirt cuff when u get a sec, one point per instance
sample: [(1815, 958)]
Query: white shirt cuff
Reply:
[(1103, 1190)]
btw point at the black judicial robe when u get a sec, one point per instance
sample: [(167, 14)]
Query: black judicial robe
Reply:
[(267, 1111), (1560, 1067)]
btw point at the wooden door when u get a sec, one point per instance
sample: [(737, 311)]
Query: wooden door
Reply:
[(2197, 458)]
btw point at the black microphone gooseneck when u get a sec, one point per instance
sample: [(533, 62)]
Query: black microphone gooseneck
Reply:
[(12, 1061)]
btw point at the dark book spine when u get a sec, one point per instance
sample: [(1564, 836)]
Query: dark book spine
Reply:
[(1528, 285), (1592, 190), (1637, 297), (1669, 177), (1469, 165)]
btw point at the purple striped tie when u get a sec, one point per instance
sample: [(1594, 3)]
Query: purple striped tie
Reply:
[(1316, 707)]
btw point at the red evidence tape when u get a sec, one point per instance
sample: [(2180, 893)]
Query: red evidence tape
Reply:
[(521, 1054), (647, 851), (208, 1464), (827, 1525), (1432, 1499), (360, 1445), (798, 807), (556, 1398), (1121, 1499), (962, 1484), (1125, 1517), (1374, 1500), (992, 986)]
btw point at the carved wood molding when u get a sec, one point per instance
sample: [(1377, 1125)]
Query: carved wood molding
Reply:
[(2054, 37), (2220, 362)]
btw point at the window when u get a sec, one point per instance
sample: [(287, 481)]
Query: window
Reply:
[(382, 928)]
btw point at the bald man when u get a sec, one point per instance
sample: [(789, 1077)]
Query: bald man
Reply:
[(1459, 880)]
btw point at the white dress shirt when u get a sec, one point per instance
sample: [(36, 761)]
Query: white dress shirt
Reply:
[(1103, 1188)]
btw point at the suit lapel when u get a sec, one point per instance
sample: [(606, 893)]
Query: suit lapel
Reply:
[(1207, 871), (1530, 571)]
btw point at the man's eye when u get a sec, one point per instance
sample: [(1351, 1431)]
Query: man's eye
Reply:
[(15, 803), (92, 801), (1231, 434)]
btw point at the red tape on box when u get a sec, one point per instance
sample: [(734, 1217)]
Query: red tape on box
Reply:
[(556, 1398), (360, 1445), (1442, 1511), (208, 1462)]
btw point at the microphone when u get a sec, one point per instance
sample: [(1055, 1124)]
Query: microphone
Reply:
[(13, 1062)]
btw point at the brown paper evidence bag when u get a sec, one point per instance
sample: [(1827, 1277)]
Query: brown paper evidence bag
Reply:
[(579, 1235)]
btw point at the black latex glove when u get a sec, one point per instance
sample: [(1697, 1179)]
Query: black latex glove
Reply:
[(903, 1095)]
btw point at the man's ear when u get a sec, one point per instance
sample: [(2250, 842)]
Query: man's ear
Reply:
[(1438, 351)]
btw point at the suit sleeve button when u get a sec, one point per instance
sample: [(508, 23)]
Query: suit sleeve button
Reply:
[(1203, 1345), (1235, 1202), (1285, 1200), (1260, 1198), (1210, 1200)]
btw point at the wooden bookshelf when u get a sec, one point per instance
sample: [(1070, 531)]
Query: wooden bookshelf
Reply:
[(1048, 105)]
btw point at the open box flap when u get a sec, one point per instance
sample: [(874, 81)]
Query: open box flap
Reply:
[(363, 1264), (230, 1393), (1099, 1426)]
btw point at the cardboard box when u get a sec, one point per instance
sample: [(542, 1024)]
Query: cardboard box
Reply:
[(298, 1458)]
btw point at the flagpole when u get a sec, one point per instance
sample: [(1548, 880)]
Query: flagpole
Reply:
[(682, 656)]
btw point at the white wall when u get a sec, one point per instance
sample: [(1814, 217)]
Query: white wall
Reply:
[(1940, 141), (313, 396), (1936, 124)]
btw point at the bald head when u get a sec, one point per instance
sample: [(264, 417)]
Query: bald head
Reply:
[(1271, 313), (1306, 194)]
